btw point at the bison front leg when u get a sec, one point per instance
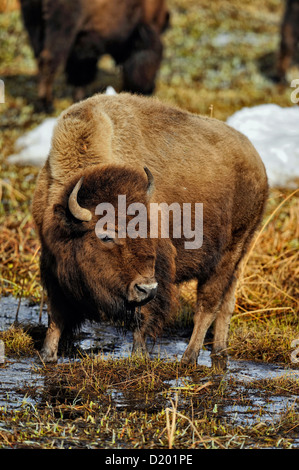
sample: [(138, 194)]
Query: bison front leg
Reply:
[(139, 343), (140, 69), (286, 54), (50, 347)]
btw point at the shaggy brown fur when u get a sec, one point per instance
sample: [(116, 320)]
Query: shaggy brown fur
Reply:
[(73, 34), (193, 159), (289, 37)]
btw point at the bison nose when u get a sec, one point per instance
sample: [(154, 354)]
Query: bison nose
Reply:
[(146, 291)]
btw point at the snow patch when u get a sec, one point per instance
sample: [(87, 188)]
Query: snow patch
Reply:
[(274, 131), (33, 147)]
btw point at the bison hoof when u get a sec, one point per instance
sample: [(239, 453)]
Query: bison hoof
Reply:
[(48, 356), (140, 352), (219, 360), (189, 358)]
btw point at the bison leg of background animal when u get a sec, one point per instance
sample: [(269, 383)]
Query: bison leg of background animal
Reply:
[(289, 38), (141, 67), (50, 346), (287, 50), (81, 66), (61, 25), (46, 75)]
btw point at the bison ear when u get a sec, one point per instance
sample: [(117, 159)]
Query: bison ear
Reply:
[(150, 183)]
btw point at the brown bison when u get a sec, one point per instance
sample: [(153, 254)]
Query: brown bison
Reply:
[(74, 33), (289, 37), (125, 145)]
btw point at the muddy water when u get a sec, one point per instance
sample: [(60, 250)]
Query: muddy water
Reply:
[(16, 374)]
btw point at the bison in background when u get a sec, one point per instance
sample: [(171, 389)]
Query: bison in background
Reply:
[(100, 147), (289, 38), (73, 34)]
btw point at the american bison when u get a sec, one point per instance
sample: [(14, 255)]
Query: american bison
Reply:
[(73, 34), (289, 37), (127, 145)]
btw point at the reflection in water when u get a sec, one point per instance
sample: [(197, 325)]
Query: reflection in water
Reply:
[(20, 379)]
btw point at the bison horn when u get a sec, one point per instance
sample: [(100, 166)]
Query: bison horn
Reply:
[(77, 211), (151, 182)]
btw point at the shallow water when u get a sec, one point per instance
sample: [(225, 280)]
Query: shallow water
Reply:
[(16, 375)]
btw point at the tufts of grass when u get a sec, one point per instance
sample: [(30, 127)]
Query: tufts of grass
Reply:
[(98, 377), (17, 342), (96, 404)]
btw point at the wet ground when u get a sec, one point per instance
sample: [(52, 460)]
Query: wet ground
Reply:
[(19, 374)]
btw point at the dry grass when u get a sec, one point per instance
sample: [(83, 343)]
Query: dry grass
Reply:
[(269, 274), (268, 290), (268, 281), (17, 342), (265, 321), (19, 258)]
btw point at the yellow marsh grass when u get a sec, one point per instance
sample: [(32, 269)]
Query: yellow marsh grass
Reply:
[(265, 321), (17, 341)]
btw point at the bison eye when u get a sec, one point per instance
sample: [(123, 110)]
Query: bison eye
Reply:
[(105, 238)]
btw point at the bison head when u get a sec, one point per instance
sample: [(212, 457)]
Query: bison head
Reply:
[(98, 268)]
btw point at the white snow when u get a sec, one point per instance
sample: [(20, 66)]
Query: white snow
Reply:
[(274, 131), (33, 147), (110, 91)]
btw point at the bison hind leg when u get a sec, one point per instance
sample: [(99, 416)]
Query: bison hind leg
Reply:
[(215, 301), (221, 327)]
